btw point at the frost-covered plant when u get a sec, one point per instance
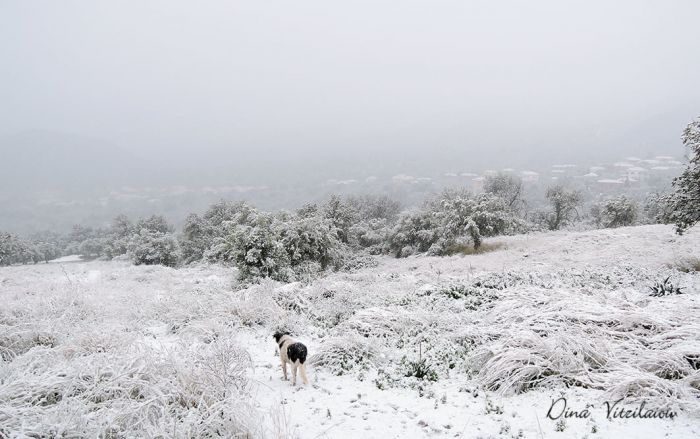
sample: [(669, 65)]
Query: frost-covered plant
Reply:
[(665, 288), (154, 244), (420, 369), (684, 204), (205, 237), (13, 250), (150, 248), (615, 212), (564, 204), (118, 236), (343, 354), (258, 252), (506, 187), (196, 238), (312, 239), (453, 216)]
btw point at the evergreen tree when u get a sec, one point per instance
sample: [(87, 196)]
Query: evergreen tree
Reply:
[(684, 204)]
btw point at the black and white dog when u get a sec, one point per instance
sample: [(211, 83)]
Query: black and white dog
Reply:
[(292, 352)]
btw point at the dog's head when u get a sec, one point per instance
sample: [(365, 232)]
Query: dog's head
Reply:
[(278, 335)]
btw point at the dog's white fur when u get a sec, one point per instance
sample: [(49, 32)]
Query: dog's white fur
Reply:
[(283, 344)]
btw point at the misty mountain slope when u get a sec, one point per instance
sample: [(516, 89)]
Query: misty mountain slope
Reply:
[(99, 347), (59, 162)]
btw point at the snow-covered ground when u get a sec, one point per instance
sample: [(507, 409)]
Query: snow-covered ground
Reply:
[(107, 349)]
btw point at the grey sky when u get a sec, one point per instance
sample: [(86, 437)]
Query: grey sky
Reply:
[(256, 79)]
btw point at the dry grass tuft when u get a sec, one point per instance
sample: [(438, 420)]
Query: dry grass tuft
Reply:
[(467, 249)]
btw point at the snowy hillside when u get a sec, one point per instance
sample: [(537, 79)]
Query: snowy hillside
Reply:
[(462, 346)]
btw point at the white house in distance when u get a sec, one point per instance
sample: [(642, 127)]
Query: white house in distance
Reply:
[(530, 176), (636, 173), (478, 184)]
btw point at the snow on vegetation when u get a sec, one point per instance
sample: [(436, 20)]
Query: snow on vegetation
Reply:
[(471, 346)]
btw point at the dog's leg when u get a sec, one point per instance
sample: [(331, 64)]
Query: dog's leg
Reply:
[(284, 369), (303, 373), (294, 373)]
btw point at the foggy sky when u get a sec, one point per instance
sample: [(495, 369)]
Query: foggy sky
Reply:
[(271, 84)]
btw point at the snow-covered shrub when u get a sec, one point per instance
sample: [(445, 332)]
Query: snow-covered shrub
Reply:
[(683, 206), (153, 248), (564, 204), (195, 239), (340, 215), (506, 187), (92, 240), (258, 251), (92, 247), (341, 355), (118, 236), (285, 247), (448, 221), (419, 369), (615, 212), (312, 239), (654, 209), (665, 288), (206, 237), (374, 207), (13, 250), (686, 264)]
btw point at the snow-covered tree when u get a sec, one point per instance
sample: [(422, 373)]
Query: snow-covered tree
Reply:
[(507, 187), (196, 238), (153, 248), (615, 212), (12, 249), (446, 221), (153, 243), (684, 203), (154, 224), (219, 222), (564, 205), (374, 207), (257, 250), (313, 239), (118, 236), (341, 216)]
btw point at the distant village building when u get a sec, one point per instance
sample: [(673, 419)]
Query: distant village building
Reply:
[(607, 185), (478, 184), (530, 176), (636, 173)]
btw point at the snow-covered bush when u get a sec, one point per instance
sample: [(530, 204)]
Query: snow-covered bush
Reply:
[(205, 237), (684, 204), (311, 239), (154, 243), (340, 355), (257, 250), (665, 288), (92, 247), (506, 187), (449, 220), (118, 236), (654, 209), (564, 204), (374, 207), (615, 212), (285, 247), (14, 250), (195, 239)]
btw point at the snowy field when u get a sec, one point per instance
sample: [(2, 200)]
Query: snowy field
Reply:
[(464, 346)]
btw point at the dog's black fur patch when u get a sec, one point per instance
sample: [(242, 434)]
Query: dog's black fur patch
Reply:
[(279, 334), (296, 351)]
